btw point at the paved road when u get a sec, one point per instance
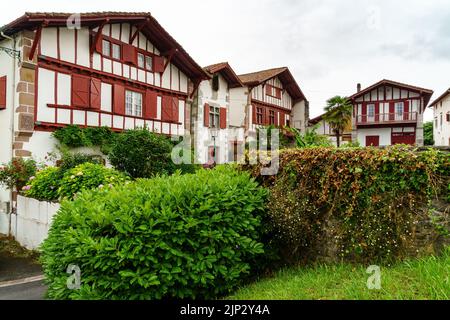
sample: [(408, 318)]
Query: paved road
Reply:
[(25, 291)]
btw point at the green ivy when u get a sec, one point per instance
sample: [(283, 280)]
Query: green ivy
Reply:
[(74, 136)]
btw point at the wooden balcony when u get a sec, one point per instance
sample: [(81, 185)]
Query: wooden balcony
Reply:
[(386, 118)]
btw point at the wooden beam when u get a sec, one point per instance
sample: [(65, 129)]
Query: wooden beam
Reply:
[(196, 85), (98, 34), (138, 29), (37, 39), (170, 56)]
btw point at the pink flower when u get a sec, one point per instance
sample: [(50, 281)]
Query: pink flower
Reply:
[(26, 188), (32, 178)]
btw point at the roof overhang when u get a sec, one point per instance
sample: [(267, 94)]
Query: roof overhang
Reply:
[(162, 40), (227, 72), (425, 93), (440, 98)]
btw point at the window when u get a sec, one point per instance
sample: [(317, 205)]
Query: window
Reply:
[(215, 82), (259, 115), (133, 103), (399, 111), (106, 48), (271, 117), (435, 122), (214, 117), (371, 110), (148, 63), (440, 119), (116, 51), (141, 61)]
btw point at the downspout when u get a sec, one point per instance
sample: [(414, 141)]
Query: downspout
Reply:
[(11, 198)]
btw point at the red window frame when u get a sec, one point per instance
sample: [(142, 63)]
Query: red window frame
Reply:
[(259, 114), (275, 92), (113, 41)]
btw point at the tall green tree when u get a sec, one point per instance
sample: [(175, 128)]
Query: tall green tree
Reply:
[(428, 138), (338, 114)]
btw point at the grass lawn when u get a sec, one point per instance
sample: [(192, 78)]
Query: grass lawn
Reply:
[(426, 278)]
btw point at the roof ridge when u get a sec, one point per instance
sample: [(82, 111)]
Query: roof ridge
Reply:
[(265, 70)]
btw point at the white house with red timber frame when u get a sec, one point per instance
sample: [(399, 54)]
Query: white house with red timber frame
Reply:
[(216, 140), (441, 119), (119, 70), (389, 113), (269, 97)]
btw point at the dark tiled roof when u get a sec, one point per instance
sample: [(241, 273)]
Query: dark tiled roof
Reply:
[(153, 30), (261, 76), (442, 96), (228, 73)]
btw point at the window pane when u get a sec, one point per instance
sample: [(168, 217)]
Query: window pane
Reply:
[(129, 103), (148, 63), (116, 51), (140, 60), (106, 48), (137, 104)]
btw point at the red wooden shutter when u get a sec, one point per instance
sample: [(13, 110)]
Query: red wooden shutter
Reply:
[(129, 53), (175, 113), (406, 110), (278, 92), (391, 111), (3, 92), (80, 91), (96, 98), (448, 117), (268, 89), (158, 64), (282, 119), (166, 113), (99, 43), (223, 118), (119, 99), (276, 118), (206, 115), (254, 114), (364, 113), (150, 109), (265, 116)]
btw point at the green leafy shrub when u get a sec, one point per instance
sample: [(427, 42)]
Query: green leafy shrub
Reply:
[(44, 186), (88, 176), (143, 154), (184, 236), (365, 202), (74, 136), (71, 160), (17, 172)]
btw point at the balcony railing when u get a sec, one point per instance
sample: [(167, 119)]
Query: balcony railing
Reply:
[(387, 118)]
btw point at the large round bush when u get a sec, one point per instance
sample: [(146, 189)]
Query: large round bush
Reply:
[(184, 236)]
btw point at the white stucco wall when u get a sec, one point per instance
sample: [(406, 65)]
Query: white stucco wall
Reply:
[(441, 129), (238, 102), (8, 68), (383, 133), (299, 116)]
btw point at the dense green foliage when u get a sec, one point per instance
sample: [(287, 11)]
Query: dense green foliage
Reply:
[(71, 160), (54, 183), (428, 138), (74, 136), (184, 236), (338, 115), (419, 279), (367, 199), (45, 185), (16, 173), (143, 154), (310, 138)]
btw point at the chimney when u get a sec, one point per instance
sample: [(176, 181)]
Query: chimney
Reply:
[(358, 87)]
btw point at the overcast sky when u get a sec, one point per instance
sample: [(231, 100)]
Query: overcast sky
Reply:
[(329, 46)]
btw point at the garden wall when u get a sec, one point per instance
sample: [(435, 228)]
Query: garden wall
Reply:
[(31, 223)]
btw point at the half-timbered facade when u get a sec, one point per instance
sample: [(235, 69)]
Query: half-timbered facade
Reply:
[(215, 139), (441, 119), (273, 98), (119, 70), (389, 113)]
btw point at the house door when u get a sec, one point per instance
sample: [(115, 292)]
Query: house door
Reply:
[(372, 141), (403, 138)]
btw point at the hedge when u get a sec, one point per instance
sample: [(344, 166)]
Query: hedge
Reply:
[(367, 200), (184, 236)]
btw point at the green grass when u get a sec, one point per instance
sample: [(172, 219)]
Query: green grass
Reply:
[(425, 278)]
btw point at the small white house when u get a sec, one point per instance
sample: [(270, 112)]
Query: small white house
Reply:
[(441, 119), (216, 138)]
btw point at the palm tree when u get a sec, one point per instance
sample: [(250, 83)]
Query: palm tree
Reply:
[(338, 114)]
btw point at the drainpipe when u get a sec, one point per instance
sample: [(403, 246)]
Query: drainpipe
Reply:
[(11, 206)]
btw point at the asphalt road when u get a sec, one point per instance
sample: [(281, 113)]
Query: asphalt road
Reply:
[(25, 291)]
